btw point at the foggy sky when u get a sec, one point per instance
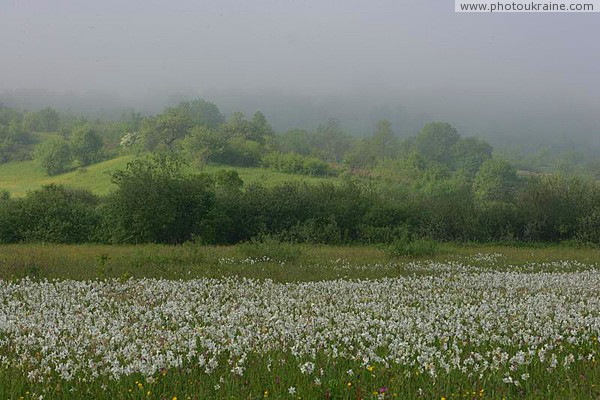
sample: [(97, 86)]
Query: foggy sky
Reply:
[(485, 73)]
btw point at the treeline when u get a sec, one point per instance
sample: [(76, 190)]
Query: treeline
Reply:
[(156, 202), (197, 129), (60, 142)]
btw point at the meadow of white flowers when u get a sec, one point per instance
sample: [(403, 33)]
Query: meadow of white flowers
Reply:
[(473, 321)]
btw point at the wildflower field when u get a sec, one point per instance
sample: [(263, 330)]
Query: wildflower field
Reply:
[(234, 324)]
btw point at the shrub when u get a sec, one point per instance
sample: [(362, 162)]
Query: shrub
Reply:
[(55, 214), (54, 156), (156, 203), (293, 163), (9, 221), (588, 230), (86, 145)]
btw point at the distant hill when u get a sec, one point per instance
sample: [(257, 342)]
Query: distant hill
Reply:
[(20, 177)]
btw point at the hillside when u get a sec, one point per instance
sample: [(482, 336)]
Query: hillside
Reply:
[(20, 177)]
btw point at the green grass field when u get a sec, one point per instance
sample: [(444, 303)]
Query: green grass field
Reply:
[(301, 262), (20, 177)]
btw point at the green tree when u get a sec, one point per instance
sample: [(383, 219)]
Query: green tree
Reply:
[(202, 113), (435, 142), (164, 130), (295, 141), (203, 145), (54, 156), (55, 214), (469, 154), (261, 125), (495, 181), (86, 145), (45, 120), (384, 141), (238, 127), (48, 120), (155, 202), (332, 141)]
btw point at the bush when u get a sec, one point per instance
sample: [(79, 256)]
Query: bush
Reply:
[(293, 163), (55, 214), (86, 145), (9, 221), (54, 156), (156, 203), (588, 230)]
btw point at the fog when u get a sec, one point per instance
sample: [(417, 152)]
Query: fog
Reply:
[(499, 76)]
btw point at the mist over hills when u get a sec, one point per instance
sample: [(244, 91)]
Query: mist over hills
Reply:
[(563, 125)]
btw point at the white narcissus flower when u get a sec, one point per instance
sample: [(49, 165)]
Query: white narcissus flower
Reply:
[(444, 318)]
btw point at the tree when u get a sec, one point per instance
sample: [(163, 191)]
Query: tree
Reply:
[(295, 141), (202, 113), (45, 120), (203, 145), (332, 140), (495, 181), (54, 156), (262, 126), (384, 142), (166, 129), (435, 141), (238, 127), (48, 120), (86, 145), (55, 214), (155, 202), (469, 154)]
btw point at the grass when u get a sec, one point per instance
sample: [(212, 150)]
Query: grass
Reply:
[(280, 262), (20, 177), (274, 380)]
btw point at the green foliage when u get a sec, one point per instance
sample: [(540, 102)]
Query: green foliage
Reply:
[(588, 229), (239, 128), (292, 163), (435, 141), (498, 221), (202, 113), (155, 202), (495, 181), (9, 220), (164, 130), (331, 142), (54, 214), (468, 155), (445, 210), (14, 139), (384, 141), (203, 145), (296, 141), (228, 179), (552, 206), (241, 152), (45, 120), (86, 145), (54, 156)]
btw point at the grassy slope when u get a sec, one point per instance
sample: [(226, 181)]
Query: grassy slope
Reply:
[(20, 177)]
